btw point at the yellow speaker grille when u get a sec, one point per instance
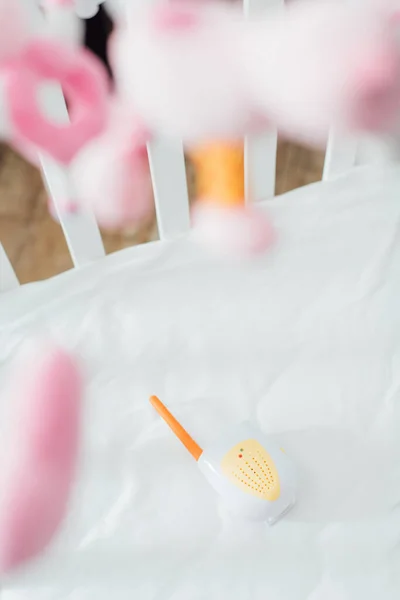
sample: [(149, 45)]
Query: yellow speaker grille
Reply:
[(249, 466)]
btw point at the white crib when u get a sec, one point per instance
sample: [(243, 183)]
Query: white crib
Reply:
[(168, 177)]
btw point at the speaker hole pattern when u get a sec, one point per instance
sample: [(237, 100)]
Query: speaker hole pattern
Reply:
[(256, 473)]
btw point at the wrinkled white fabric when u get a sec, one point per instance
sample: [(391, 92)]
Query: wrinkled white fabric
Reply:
[(305, 343)]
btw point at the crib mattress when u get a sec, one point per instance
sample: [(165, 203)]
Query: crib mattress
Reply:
[(305, 343)]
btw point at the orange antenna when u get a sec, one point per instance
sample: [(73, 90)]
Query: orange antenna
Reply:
[(177, 428)]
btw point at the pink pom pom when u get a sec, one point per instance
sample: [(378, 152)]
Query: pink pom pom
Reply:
[(38, 464), (189, 85), (176, 17), (112, 176), (377, 90), (66, 207), (237, 232)]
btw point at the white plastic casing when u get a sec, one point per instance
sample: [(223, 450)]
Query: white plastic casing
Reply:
[(245, 467)]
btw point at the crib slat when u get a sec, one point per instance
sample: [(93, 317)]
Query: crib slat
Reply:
[(341, 155), (167, 166), (260, 166), (80, 230), (260, 150), (8, 278)]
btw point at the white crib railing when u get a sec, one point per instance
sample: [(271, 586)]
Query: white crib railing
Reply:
[(341, 155), (80, 230), (260, 151), (8, 279), (167, 167)]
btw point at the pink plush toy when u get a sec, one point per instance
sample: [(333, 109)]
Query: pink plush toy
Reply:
[(39, 458), (190, 85), (320, 64), (111, 174), (209, 73), (84, 80), (27, 62)]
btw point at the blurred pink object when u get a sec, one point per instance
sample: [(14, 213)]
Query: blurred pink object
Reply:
[(111, 175), (38, 463), (208, 70), (67, 206), (324, 64), (189, 85), (238, 232), (14, 29), (85, 84)]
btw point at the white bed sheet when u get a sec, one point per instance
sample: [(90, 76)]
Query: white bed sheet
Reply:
[(306, 343)]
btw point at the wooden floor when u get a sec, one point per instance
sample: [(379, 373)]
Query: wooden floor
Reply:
[(35, 243)]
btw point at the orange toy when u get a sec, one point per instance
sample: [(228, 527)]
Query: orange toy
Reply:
[(220, 173), (221, 217)]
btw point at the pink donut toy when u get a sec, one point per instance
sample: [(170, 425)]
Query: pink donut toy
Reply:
[(85, 84)]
